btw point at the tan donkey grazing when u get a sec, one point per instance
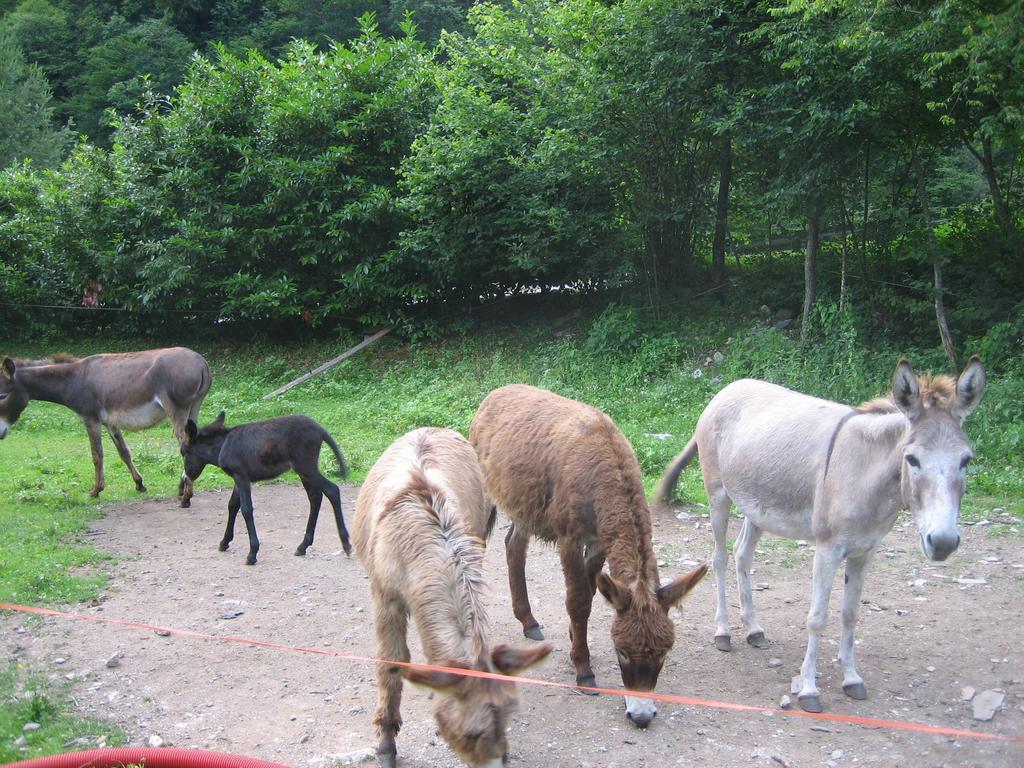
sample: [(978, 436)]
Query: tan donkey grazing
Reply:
[(420, 524), (126, 391), (562, 471), (835, 475)]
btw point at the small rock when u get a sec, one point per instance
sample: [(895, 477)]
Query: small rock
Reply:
[(971, 582), (628, 741), (21, 741), (686, 516), (234, 613), (115, 659), (786, 703), (967, 693), (163, 632), (29, 727), (837, 754), (155, 741), (359, 756), (773, 663), (796, 684), (820, 729), (930, 668), (986, 703), (901, 612), (60, 660)]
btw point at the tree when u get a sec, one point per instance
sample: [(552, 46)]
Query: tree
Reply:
[(150, 56), (27, 130)]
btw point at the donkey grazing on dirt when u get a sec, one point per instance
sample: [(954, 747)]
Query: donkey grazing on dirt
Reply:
[(421, 521), (563, 471), (262, 450), (811, 469), (131, 390)]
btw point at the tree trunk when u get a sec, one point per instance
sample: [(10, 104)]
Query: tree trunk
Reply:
[(1002, 211), (864, 223), (811, 265), (721, 215), (933, 251), (845, 226)]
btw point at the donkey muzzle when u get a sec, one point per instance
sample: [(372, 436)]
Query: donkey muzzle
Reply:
[(3, 429), (940, 545), (640, 711)]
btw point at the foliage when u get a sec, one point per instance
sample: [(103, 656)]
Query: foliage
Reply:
[(27, 131)]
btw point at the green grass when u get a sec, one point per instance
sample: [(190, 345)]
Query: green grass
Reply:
[(29, 698)]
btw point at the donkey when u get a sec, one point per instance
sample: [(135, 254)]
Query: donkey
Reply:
[(562, 471), (263, 450), (421, 521), (811, 469), (131, 390)]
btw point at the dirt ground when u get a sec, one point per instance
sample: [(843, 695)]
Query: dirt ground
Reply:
[(924, 637)]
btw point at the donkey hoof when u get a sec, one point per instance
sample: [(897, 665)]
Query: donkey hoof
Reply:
[(810, 703), (300, 552), (758, 640), (140, 488), (856, 691), (223, 546), (250, 561), (386, 760), (347, 547), (586, 681), (533, 633), (186, 503), (723, 643)]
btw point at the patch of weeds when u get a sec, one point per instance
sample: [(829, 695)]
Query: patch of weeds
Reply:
[(28, 699)]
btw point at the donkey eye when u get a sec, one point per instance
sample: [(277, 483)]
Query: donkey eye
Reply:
[(912, 460), (965, 461)]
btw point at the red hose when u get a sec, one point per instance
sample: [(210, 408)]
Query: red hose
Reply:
[(162, 757)]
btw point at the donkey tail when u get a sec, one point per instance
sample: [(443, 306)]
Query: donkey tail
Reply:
[(673, 470), (342, 464)]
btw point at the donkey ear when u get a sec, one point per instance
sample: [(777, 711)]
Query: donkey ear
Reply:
[(969, 388), (613, 591), (906, 392), (8, 368), (435, 679), (678, 588), (510, 660), (219, 421), (191, 430)]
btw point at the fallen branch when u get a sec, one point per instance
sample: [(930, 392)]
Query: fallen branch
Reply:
[(331, 363)]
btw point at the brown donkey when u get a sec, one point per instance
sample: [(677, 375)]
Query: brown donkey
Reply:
[(131, 390), (562, 471), (421, 520)]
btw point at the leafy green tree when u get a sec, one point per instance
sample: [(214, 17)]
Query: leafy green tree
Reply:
[(27, 130), (150, 56), (267, 193), (511, 186)]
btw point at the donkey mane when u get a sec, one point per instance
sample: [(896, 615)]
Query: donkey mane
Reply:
[(936, 392), (463, 563), (60, 357)]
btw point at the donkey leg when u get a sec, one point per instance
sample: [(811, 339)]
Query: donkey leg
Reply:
[(516, 542), (578, 601), (743, 551), (92, 428), (390, 626), (245, 497), (720, 504), (316, 497), (126, 456), (334, 496), (856, 568), (826, 561), (229, 532), (178, 420)]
